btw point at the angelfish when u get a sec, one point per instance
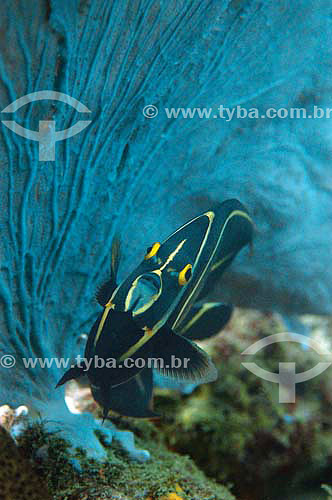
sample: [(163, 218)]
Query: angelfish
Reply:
[(145, 316)]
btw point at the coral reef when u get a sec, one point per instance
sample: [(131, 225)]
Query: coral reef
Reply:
[(138, 177), (233, 431), (168, 477), (237, 431), (19, 479)]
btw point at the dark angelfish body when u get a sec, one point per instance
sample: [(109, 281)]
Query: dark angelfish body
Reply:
[(149, 314), (131, 399), (205, 319)]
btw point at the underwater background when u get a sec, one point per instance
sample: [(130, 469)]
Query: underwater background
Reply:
[(135, 173)]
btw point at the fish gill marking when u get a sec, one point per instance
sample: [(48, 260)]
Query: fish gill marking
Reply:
[(131, 291), (231, 215)]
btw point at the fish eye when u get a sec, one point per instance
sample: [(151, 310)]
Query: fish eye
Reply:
[(151, 251), (185, 275)]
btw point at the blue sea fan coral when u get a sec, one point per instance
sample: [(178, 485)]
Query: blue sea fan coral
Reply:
[(141, 177)]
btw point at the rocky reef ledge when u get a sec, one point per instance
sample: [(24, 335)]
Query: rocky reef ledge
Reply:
[(40, 466)]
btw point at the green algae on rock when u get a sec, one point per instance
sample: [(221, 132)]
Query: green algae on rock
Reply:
[(169, 476), (19, 479), (236, 430)]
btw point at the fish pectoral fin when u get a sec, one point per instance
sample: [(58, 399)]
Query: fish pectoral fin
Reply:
[(180, 358), (72, 373), (205, 320)]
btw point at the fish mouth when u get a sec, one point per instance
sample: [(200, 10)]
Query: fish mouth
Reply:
[(144, 292)]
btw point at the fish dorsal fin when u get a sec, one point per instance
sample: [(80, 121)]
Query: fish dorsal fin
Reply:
[(116, 256), (106, 290)]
